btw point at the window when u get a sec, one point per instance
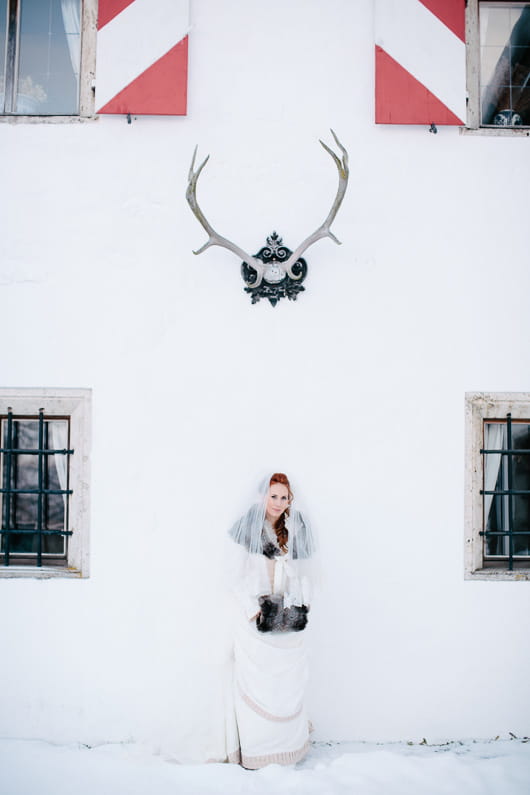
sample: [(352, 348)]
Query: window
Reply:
[(44, 468), (47, 62), (498, 486), (498, 39)]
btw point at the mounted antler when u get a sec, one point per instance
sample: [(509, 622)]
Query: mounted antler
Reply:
[(323, 230), (215, 239)]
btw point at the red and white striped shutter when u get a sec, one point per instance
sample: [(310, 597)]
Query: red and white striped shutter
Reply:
[(142, 57), (420, 62)]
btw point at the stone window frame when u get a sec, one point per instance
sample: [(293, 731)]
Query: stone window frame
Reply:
[(76, 404), (481, 406)]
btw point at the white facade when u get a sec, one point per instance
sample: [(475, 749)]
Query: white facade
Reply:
[(357, 389)]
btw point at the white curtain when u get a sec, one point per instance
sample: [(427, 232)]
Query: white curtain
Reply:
[(495, 439), (72, 27), (59, 429)]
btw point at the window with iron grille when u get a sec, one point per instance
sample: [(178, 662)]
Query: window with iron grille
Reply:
[(47, 57), (498, 64), (44, 443), (498, 485)]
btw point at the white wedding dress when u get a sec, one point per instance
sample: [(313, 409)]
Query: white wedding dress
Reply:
[(266, 720)]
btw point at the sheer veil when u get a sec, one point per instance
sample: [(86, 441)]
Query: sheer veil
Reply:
[(248, 529)]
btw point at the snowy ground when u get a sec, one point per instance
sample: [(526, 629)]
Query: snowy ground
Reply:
[(493, 767)]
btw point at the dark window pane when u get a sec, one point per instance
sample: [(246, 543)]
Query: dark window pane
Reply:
[(520, 65), (23, 508), (3, 32), (496, 476), (521, 481), (497, 106), (49, 60), (521, 103), (505, 64)]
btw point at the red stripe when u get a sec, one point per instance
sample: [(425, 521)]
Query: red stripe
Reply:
[(160, 90), (451, 12), (108, 9), (401, 99)]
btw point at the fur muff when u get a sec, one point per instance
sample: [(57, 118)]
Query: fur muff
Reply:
[(273, 617), (295, 618), (270, 617)]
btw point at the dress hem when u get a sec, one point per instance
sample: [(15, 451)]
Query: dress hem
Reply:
[(284, 758), (234, 758)]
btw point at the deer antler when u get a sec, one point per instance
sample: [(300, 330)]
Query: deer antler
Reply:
[(215, 239), (323, 230)]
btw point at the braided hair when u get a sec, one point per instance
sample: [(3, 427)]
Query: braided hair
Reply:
[(282, 534)]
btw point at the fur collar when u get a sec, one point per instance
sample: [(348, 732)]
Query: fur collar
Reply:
[(270, 544)]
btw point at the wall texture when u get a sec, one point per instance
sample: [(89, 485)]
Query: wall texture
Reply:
[(357, 389)]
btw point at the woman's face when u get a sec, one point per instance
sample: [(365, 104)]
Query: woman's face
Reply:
[(277, 501)]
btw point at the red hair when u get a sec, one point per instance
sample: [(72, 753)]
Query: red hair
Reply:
[(282, 534)]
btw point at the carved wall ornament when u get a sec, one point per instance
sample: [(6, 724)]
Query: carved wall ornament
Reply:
[(276, 283), (275, 271)]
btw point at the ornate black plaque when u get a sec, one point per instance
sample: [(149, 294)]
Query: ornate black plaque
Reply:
[(276, 283)]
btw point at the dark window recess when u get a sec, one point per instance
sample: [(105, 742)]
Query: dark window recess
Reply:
[(506, 492), (505, 64), (34, 467)]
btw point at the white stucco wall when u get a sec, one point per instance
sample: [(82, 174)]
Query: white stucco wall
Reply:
[(357, 389)]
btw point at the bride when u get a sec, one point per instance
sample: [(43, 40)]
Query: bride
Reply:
[(273, 547)]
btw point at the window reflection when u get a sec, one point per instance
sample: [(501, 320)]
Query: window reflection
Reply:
[(505, 64), (48, 57), (496, 477)]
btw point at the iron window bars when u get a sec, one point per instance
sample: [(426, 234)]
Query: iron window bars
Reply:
[(9, 454), (507, 477)]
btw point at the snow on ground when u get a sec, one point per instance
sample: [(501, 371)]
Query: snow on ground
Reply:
[(492, 767)]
